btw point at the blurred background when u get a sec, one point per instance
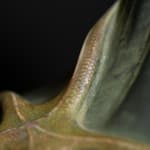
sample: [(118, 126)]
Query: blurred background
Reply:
[(40, 41)]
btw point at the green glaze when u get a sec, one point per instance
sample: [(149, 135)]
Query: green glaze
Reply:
[(94, 111)]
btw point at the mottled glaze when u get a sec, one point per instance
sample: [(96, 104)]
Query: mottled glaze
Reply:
[(81, 116)]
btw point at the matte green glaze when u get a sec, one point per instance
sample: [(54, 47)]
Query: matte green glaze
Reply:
[(94, 111)]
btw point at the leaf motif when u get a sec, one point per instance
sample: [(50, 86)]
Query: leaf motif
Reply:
[(101, 81)]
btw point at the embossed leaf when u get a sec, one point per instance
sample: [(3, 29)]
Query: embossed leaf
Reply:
[(96, 110)]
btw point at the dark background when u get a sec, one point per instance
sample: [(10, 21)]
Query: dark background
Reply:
[(40, 40)]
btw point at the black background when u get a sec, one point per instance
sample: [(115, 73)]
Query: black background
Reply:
[(40, 40)]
